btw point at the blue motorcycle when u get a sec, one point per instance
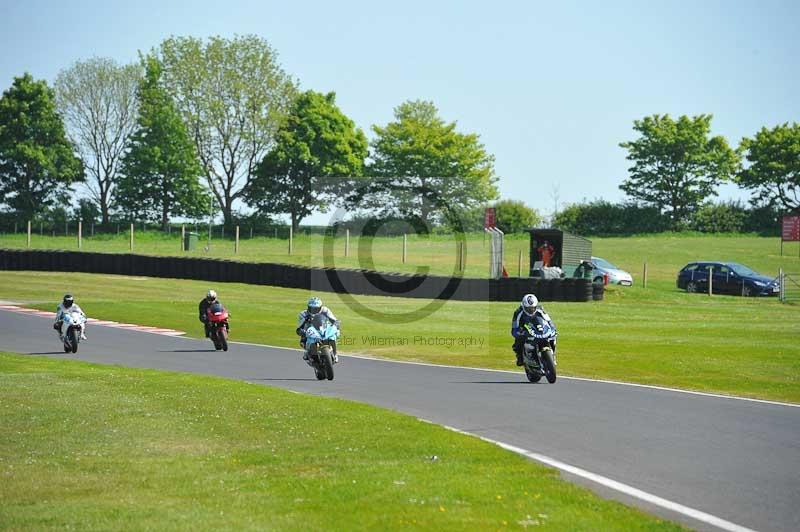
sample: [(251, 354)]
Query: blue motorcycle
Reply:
[(539, 350), (321, 336)]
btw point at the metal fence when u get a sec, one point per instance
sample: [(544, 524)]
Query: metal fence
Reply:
[(790, 287)]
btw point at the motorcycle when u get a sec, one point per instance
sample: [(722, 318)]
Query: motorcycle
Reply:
[(71, 330), (539, 350), (217, 319), (321, 336)]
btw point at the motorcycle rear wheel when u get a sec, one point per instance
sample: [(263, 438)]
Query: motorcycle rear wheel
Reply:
[(548, 366), (532, 375)]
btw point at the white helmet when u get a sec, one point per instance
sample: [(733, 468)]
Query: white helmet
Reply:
[(211, 296), (529, 304)]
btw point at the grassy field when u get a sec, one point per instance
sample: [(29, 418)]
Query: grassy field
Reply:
[(106, 448), (741, 346), (665, 253)]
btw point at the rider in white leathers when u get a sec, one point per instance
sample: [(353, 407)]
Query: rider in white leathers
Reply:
[(67, 305)]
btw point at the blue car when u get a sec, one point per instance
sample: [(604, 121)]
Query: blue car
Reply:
[(727, 278)]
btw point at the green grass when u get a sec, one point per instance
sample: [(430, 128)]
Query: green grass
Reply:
[(106, 448), (665, 253), (724, 344)]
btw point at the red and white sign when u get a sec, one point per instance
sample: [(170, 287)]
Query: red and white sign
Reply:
[(791, 228), (489, 218)]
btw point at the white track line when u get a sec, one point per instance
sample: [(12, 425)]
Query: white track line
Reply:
[(616, 486)]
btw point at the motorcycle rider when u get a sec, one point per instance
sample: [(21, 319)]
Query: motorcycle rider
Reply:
[(210, 299), (304, 318), (67, 305), (528, 308)]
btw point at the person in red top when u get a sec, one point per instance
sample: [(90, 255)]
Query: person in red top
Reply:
[(546, 253)]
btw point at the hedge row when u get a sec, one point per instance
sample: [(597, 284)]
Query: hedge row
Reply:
[(362, 282)]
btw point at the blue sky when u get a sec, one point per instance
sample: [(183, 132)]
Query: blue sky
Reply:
[(551, 88)]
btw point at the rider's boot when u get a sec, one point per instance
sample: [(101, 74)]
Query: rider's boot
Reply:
[(519, 358)]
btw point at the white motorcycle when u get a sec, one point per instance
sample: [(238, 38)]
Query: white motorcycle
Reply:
[(72, 330)]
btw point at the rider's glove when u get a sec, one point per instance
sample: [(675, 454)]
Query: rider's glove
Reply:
[(56, 326), (299, 331)]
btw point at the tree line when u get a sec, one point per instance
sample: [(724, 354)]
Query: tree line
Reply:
[(195, 127)]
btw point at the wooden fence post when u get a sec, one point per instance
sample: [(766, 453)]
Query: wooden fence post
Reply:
[(644, 275), (405, 247), (80, 234), (131, 243), (519, 264), (183, 238), (290, 239), (29, 233), (710, 280), (236, 247), (347, 243)]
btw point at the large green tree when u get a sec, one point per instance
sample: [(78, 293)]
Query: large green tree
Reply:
[(677, 165), (773, 172), (160, 173), (316, 150), (514, 216), (37, 161), (98, 100), (426, 166), (233, 96)]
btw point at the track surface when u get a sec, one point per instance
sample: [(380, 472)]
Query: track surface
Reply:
[(737, 460)]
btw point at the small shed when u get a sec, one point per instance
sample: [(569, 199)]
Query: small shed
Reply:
[(555, 247)]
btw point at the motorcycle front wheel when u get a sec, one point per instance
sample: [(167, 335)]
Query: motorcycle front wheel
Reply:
[(327, 362), (548, 365), (74, 337), (223, 338)]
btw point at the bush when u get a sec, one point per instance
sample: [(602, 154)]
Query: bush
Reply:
[(601, 217), (727, 217)]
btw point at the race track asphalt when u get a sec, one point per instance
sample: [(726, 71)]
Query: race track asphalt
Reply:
[(735, 460)]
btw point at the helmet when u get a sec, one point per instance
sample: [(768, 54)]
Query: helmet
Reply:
[(529, 304), (314, 305), (211, 296), (68, 300)]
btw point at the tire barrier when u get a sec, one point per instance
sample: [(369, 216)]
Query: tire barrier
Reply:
[(352, 281)]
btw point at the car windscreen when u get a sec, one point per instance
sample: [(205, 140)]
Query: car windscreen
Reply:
[(603, 263), (742, 270)]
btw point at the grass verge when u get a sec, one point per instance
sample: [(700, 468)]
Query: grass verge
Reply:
[(108, 448), (723, 344)]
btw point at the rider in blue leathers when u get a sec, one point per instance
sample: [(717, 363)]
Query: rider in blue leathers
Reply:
[(525, 314), (314, 307)]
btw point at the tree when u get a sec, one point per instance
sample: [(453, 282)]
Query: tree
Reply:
[(37, 161), (774, 166), (233, 96), (98, 100), (676, 164), (514, 216), (425, 165), (160, 173), (316, 143)]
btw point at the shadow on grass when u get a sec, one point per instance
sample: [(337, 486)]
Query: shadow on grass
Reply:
[(51, 353)]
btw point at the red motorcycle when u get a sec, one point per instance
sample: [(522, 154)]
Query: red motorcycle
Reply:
[(217, 318)]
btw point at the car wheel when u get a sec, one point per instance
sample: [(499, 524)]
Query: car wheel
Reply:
[(691, 287), (747, 291)]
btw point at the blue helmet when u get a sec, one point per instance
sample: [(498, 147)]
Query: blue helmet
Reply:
[(314, 305)]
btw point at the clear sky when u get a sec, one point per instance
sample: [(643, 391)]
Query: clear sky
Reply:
[(551, 87)]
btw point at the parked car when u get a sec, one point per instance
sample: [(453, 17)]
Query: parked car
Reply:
[(602, 267), (728, 278)]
